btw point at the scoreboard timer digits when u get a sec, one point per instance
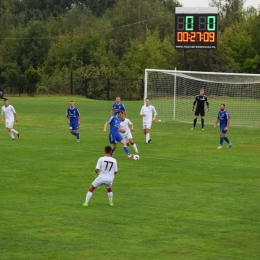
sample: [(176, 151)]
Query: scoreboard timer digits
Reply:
[(196, 31)]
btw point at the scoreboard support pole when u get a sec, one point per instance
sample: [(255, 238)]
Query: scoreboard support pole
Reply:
[(208, 60), (184, 59)]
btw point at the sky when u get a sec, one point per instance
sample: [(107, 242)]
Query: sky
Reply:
[(205, 3)]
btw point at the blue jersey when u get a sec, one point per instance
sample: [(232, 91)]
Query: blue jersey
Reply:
[(114, 124), (73, 114), (118, 107), (114, 135), (223, 117)]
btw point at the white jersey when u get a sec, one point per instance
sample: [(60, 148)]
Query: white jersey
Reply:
[(8, 112), (148, 111), (124, 125), (107, 166)]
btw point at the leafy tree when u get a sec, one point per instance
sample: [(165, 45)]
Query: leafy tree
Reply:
[(11, 16), (230, 12), (12, 77), (32, 77), (153, 53), (131, 18)]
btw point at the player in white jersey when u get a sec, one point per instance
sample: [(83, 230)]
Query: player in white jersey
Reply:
[(126, 132), (9, 113), (106, 169), (148, 113)]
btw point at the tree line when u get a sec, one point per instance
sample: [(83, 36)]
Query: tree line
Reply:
[(43, 41)]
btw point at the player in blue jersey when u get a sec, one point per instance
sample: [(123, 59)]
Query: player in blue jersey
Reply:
[(224, 120), (73, 117), (118, 106), (114, 135)]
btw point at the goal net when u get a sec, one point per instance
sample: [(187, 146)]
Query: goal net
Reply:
[(172, 92)]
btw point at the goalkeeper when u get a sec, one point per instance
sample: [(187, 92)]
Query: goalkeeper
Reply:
[(200, 99)]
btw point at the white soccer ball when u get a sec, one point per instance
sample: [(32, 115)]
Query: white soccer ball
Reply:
[(136, 157)]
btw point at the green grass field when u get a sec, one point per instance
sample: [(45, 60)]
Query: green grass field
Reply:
[(183, 200)]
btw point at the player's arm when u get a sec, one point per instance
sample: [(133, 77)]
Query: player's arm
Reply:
[(154, 115), (207, 103), (193, 105), (228, 122), (97, 171), (216, 122), (112, 111), (142, 113), (2, 116), (16, 117), (79, 120), (132, 127), (116, 169), (105, 127)]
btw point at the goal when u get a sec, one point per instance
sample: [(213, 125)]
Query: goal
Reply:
[(172, 92)]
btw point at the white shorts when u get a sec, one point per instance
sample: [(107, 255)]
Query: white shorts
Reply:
[(147, 125), (101, 180), (9, 124), (127, 136)]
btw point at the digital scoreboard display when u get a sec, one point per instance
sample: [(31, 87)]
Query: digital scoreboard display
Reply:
[(196, 28)]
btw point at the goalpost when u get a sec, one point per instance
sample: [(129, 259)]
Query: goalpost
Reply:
[(172, 92)]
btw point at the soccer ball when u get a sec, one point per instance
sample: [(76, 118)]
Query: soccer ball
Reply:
[(136, 157)]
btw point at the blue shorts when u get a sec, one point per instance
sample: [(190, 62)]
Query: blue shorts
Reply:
[(115, 137), (222, 130), (74, 126)]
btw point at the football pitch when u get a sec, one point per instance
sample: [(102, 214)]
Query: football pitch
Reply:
[(183, 200)]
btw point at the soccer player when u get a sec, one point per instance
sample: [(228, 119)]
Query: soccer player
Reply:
[(106, 170), (114, 135), (224, 120), (118, 106), (1, 92), (10, 115), (126, 132), (73, 117), (200, 99), (148, 113)]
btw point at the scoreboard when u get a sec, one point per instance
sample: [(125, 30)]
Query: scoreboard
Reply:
[(196, 28)]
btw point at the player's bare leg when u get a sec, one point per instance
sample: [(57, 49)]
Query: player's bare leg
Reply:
[(147, 135), (131, 141), (113, 148)]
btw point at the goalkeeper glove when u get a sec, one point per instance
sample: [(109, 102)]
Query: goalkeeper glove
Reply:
[(208, 109), (192, 109)]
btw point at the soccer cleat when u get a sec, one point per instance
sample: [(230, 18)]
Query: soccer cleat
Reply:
[(219, 147), (19, 135), (13, 139), (149, 141), (77, 140), (229, 145), (129, 155), (111, 203), (136, 151), (85, 204)]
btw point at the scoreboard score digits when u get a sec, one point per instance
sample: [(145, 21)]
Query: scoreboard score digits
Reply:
[(196, 30)]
